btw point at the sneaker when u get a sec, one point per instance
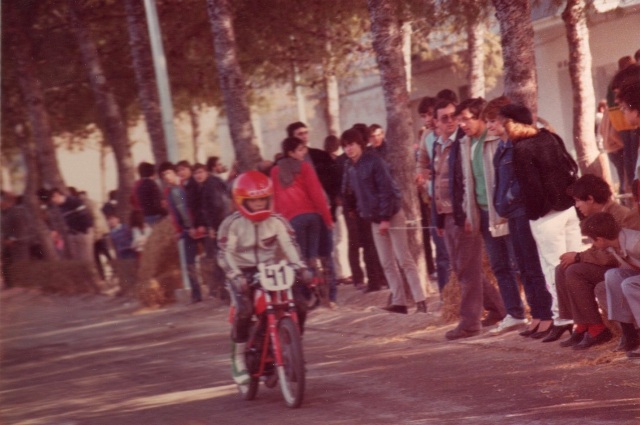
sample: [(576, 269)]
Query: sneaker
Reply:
[(490, 320), (402, 309), (238, 366), (509, 323)]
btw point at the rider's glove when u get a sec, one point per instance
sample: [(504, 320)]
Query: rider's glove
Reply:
[(240, 284), (305, 276)]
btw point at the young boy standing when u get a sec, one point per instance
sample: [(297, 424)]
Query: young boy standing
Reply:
[(177, 201)]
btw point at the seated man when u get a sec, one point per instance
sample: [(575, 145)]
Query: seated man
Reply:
[(580, 272), (623, 283)]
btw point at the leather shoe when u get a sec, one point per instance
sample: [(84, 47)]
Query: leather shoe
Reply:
[(633, 355), (421, 307), (402, 309), (458, 333), (574, 339), (556, 332), (369, 289), (626, 344), (541, 334), (529, 332), (589, 341)]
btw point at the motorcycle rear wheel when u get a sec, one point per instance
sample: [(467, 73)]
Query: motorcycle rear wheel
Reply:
[(291, 373)]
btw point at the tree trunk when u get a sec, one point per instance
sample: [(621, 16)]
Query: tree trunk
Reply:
[(33, 98), (584, 104), (332, 91), (112, 123), (516, 30), (194, 115), (407, 31), (232, 84), (145, 77), (387, 43), (475, 50), (30, 198)]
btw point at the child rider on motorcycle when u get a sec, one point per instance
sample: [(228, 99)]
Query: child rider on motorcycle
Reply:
[(253, 234)]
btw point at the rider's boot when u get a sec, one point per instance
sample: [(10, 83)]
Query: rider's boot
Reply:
[(238, 365)]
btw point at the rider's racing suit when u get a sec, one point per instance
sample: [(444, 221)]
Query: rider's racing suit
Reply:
[(243, 244)]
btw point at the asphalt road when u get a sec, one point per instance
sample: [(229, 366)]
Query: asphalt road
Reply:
[(99, 361)]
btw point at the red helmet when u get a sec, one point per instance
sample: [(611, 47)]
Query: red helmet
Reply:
[(252, 185)]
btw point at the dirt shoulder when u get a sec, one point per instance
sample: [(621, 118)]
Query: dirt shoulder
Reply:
[(101, 360)]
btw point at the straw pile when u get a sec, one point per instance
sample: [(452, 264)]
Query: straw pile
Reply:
[(159, 272)]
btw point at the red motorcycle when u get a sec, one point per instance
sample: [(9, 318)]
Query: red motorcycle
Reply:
[(274, 350)]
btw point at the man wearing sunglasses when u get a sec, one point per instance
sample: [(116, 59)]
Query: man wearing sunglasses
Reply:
[(463, 246)]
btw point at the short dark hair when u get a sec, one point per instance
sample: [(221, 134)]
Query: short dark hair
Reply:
[(517, 113), (211, 163), (590, 185), (475, 106), (290, 144), (199, 166), (600, 225), (363, 129), (353, 135), (427, 104), (183, 164), (331, 143), (113, 195), (374, 127), (146, 169), (448, 94), (442, 103), (165, 166), (291, 128)]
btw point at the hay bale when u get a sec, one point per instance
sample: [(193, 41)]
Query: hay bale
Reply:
[(159, 272), (451, 292), (125, 272), (66, 277)]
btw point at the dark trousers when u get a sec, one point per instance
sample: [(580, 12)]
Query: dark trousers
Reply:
[(190, 246), (576, 292), (359, 234), (526, 252), (425, 219), (213, 275), (101, 248), (443, 265), (499, 254)]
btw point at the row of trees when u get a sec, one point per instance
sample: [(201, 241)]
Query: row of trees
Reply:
[(72, 63)]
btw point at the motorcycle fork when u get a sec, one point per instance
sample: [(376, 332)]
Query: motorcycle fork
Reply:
[(273, 317)]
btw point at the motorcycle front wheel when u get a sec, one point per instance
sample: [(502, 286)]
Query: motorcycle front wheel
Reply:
[(291, 374)]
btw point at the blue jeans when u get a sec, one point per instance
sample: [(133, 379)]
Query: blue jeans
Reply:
[(498, 251), (151, 220), (535, 287), (308, 227), (188, 249), (325, 251), (443, 267)]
